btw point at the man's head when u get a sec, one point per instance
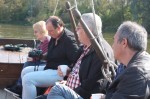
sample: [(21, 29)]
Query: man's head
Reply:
[(54, 26), (90, 22), (129, 38)]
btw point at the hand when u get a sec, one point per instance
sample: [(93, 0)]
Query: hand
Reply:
[(61, 82), (60, 73), (29, 59)]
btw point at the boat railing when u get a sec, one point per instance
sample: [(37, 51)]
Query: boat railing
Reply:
[(29, 42)]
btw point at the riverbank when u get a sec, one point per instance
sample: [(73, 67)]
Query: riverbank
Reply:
[(26, 32), (109, 38)]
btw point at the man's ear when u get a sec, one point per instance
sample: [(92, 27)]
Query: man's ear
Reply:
[(124, 42)]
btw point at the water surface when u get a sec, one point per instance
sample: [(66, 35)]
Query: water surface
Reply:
[(16, 31), (26, 32)]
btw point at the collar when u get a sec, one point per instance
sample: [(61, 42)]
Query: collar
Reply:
[(60, 34), (47, 38), (134, 57), (86, 47)]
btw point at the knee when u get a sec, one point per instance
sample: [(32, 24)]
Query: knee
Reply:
[(26, 80), (56, 89), (23, 73), (26, 71)]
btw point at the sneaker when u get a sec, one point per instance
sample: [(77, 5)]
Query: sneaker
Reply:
[(15, 90), (17, 97)]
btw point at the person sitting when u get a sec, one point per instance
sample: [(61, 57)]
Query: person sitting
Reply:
[(83, 78), (41, 34), (62, 50), (130, 44)]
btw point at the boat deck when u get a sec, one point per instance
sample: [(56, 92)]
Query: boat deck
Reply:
[(11, 62), (5, 95), (9, 72)]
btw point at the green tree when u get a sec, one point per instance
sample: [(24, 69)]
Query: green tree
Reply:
[(140, 10)]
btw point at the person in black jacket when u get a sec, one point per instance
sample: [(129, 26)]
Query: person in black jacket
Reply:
[(130, 43), (83, 77), (62, 50)]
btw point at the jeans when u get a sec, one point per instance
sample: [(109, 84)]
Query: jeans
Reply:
[(41, 78), (26, 64), (61, 91)]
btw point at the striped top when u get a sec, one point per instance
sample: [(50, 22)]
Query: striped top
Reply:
[(44, 45)]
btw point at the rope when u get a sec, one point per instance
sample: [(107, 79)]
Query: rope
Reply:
[(72, 7), (110, 63), (75, 2), (55, 7), (99, 39)]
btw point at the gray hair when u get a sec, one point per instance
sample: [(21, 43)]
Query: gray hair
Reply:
[(90, 22), (135, 34)]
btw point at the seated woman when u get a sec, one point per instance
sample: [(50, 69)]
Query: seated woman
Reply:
[(62, 50), (41, 34)]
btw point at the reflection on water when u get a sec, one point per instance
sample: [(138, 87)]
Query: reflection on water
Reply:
[(16, 31)]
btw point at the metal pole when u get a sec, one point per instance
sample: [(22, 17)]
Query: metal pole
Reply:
[(68, 6), (98, 48)]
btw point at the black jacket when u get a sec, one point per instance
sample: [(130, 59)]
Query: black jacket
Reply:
[(62, 53), (133, 82), (90, 72)]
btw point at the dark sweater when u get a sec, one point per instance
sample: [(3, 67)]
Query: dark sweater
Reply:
[(62, 53), (90, 72)]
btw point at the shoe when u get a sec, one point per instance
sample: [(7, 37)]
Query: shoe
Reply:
[(15, 90), (17, 97)]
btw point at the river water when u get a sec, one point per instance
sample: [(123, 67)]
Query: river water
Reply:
[(16, 31), (26, 32)]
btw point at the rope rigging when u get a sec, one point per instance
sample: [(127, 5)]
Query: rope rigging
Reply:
[(55, 7), (68, 6), (96, 41), (97, 44), (107, 74)]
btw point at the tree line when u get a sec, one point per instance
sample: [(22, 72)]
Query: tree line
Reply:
[(112, 12)]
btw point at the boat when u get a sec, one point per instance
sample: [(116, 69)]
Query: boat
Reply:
[(10, 71)]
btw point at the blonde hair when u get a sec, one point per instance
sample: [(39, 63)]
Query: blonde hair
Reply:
[(41, 27)]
